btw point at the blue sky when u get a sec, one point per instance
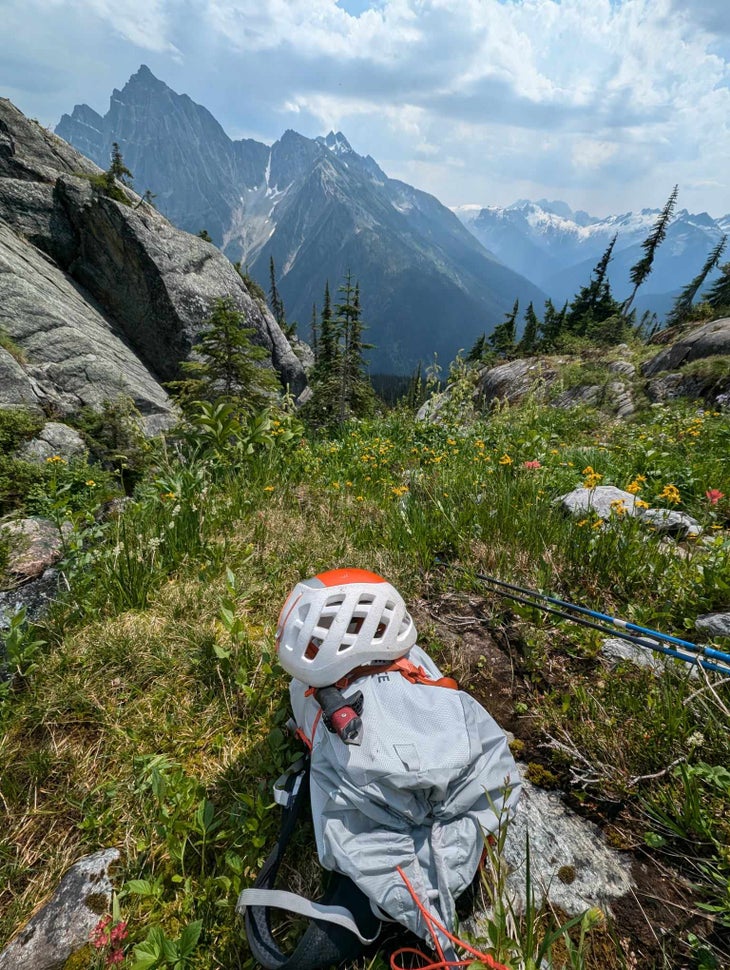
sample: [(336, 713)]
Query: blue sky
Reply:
[(605, 104)]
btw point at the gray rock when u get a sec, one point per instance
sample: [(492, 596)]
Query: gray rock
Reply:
[(665, 388), (570, 864), (668, 522), (35, 544), (514, 380), (117, 301), (623, 367), (581, 394), (616, 650), (66, 921), (54, 439), (598, 499), (706, 341), (17, 389), (716, 624), (615, 397), (35, 595), (76, 355)]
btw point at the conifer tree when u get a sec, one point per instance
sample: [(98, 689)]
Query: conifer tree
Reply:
[(206, 236), (718, 296), (682, 307), (118, 169), (640, 271), (327, 335), (275, 301), (552, 326), (315, 334), (227, 365), (593, 303), (528, 341), (478, 350), (502, 338)]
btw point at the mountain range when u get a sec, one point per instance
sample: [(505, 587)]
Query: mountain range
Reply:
[(319, 209), (557, 248)]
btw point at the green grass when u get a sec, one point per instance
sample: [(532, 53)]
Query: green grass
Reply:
[(154, 721)]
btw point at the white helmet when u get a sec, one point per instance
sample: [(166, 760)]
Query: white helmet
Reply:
[(340, 620)]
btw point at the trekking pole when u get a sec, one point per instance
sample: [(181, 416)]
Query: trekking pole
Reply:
[(695, 657)]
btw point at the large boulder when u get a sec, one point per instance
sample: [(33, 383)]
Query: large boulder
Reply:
[(17, 389), (709, 340), (35, 544), (512, 381), (603, 500), (74, 354), (148, 285)]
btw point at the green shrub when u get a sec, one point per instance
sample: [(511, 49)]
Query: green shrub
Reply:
[(17, 426)]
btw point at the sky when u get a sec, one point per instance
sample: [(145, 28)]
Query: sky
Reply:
[(604, 104)]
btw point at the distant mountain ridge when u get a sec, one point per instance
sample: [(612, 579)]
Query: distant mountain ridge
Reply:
[(320, 209), (557, 248)]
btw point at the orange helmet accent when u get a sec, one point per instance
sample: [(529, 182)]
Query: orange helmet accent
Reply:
[(343, 577)]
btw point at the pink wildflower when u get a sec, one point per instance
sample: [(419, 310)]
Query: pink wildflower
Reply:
[(714, 495), (531, 464), (99, 936), (118, 934), (115, 956)]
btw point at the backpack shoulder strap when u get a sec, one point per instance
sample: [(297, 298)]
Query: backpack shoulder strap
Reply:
[(341, 923)]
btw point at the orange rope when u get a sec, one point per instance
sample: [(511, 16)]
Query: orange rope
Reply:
[(433, 924)]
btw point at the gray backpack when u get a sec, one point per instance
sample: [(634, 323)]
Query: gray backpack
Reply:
[(400, 817)]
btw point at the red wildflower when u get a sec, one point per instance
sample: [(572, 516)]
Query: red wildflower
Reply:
[(531, 464), (118, 934), (99, 936), (714, 495), (115, 956)]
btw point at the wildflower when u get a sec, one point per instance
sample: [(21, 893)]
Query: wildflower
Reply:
[(359, 498), (598, 524), (505, 460), (714, 495), (618, 506), (531, 464), (55, 460), (399, 490), (91, 483), (696, 739), (592, 478), (582, 523), (641, 504), (633, 487), (670, 493), (118, 933), (166, 495), (115, 956), (268, 488), (99, 936)]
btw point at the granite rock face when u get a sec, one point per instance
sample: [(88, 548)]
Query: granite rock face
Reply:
[(101, 297), (512, 381), (54, 439), (710, 340), (36, 544)]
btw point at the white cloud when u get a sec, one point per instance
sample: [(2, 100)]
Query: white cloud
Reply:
[(613, 98)]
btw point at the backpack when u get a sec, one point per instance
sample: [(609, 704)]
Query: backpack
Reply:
[(400, 819)]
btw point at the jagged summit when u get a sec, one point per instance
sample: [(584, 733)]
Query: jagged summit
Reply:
[(319, 209)]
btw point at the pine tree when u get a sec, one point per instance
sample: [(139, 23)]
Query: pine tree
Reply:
[(593, 303), (528, 341), (206, 236), (640, 271), (313, 326), (718, 296), (118, 169), (502, 338), (478, 350), (552, 326), (226, 365), (275, 301), (682, 307), (328, 349)]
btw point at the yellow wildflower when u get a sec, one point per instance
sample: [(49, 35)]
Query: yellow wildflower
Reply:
[(670, 493), (268, 488), (56, 459), (505, 460), (91, 483)]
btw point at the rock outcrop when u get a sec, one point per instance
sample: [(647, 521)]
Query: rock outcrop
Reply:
[(102, 298), (668, 378), (66, 921)]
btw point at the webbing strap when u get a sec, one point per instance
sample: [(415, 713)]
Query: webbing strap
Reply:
[(412, 673), (280, 899)]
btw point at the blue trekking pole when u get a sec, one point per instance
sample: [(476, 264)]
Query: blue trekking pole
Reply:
[(655, 643)]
